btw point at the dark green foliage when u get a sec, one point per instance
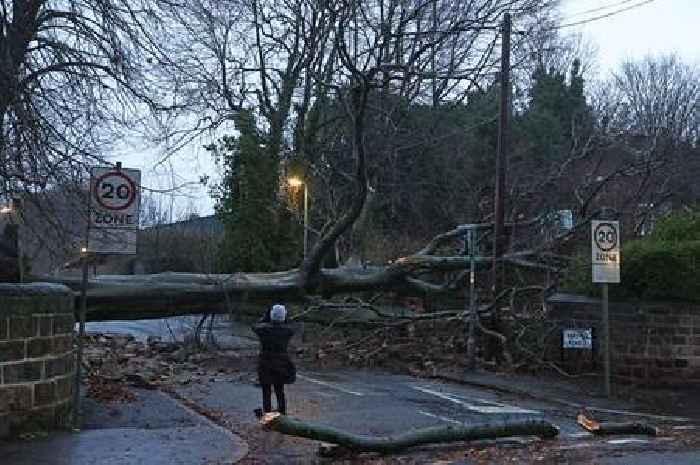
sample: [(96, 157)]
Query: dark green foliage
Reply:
[(678, 227), (256, 228), (663, 266), (661, 270), (557, 117)]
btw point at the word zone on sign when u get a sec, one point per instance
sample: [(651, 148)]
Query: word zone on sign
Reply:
[(109, 218)]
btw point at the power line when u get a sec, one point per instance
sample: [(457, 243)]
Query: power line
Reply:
[(596, 18), (600, 8)]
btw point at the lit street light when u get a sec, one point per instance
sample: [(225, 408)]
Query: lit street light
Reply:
[(13, 208), (297, 182)]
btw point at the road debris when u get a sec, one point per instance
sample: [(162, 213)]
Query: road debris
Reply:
[(585, 419), (389, 444)]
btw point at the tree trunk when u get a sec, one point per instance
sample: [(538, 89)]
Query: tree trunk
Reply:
[(388, 444), (114, 297), (605, 428)]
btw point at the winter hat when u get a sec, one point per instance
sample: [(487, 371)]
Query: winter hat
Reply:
[(278, 313)]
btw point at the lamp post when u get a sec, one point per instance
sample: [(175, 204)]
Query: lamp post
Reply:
[(296, 182), (14, 209)]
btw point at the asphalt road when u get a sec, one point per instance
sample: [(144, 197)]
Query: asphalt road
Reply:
[(374, 403)]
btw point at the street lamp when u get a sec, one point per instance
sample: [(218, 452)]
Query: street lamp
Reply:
[(297, 182), (13, 208)]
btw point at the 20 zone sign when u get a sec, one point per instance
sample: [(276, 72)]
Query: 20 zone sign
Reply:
[(114, 190)]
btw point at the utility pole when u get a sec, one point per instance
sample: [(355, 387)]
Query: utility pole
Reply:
[(433, 47), (500, 191), (501, 156)]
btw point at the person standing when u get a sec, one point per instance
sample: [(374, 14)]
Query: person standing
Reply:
[(275, 367)]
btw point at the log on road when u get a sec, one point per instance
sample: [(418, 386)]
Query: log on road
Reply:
[(585, 419), (388, 444)]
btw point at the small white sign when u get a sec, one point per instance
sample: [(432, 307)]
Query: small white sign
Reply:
[(605, 250), (112, 241), (115, 197), (577, 339)]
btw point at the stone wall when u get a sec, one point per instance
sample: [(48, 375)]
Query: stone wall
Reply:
[(36, 357), (655, 344)]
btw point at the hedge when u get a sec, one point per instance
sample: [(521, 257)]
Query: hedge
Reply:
[(663, 266)]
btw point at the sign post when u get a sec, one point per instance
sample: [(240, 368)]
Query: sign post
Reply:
[(605, 259), (112, 227)]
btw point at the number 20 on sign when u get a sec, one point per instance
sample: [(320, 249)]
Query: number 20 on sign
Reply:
[(605, 251)]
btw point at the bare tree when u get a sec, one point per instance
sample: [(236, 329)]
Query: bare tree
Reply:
[(659, 98), (74, 79)]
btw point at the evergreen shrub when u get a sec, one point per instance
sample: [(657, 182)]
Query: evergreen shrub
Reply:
[(663, 266)]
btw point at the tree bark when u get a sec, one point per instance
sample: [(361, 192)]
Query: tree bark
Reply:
[(114, 297), (606, 428), (388, 444)]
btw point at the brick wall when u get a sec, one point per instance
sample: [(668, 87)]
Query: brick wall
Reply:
[(36, 357), (655, 344)]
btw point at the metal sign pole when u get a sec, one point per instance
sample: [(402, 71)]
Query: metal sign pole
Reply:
[(83, 312), (606, 338), (605, 261), (473, 317), (81, 337)]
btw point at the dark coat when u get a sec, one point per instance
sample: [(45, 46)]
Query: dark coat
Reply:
[(274, 364)]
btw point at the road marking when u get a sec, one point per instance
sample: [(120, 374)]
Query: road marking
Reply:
[(622, 442), (636, 414), (579, 435), (495, 407), (330, 385), (685, 427), (449, 420)]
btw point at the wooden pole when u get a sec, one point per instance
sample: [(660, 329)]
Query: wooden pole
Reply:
[(502, 152), (433, 48), (494, 348)]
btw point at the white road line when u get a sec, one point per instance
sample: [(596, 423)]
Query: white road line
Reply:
[(622, 442), (685, 427), (635, 414), (448, 420), (330, 385), (494, 408), (579, 435)]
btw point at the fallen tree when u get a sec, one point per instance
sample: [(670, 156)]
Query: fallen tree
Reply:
[(113, 297), (608, 427), (388, 444)]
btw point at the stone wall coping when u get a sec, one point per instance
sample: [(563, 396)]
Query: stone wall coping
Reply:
[(569, 298), (34, 289), (573, 298)]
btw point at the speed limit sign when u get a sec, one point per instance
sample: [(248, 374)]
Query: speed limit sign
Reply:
[(114, 209), (605, 249)]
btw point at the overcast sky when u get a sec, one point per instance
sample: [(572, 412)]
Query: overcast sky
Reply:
[(660, 26)]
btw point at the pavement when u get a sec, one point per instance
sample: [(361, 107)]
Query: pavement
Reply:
[(659, 404), (376, 403), (153, 430), (161, 428)]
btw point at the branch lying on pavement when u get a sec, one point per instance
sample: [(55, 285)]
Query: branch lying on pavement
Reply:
[(589, 424), (388, 444)]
